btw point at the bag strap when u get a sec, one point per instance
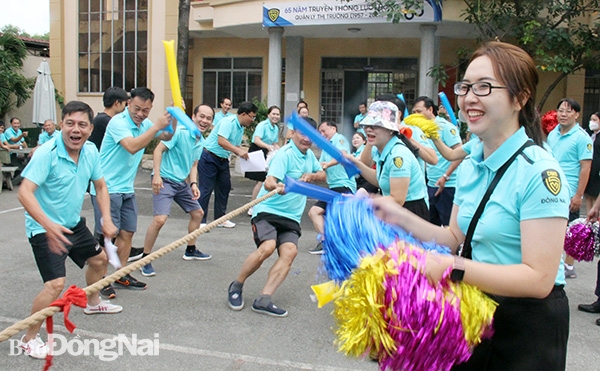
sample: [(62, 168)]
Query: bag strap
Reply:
[(467, 249)]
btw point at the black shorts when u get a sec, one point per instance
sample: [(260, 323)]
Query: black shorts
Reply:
[(529, 334), (51, 265), (323, 204), (259, 176), (267, 226), (418, 207)]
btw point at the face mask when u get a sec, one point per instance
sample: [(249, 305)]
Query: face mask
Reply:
[(594, 125)]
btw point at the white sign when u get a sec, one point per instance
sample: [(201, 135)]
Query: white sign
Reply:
[(328, 12)]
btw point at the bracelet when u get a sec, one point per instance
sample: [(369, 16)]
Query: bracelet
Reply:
[(192, 183)]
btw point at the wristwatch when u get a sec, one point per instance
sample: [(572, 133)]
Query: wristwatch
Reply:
[(458, 269), (447, 177)]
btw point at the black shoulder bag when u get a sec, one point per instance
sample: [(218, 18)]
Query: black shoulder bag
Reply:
[(467, 249)]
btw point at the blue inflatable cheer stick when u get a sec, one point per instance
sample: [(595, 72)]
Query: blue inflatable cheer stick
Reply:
[(309, 190), (448, 106), (299, 123), (401, 97), (183, 119)]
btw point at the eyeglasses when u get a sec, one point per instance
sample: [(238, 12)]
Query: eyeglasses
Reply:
[(480, 89), (252, 117)]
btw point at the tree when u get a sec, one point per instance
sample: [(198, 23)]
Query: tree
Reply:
[(183, 39), (15, 88), (560, 35)]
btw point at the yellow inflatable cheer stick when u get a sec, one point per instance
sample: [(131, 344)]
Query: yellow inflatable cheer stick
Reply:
[(326, 292), (173, 74)]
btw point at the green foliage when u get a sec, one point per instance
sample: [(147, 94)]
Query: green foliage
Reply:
[(9, 28), (151, 146), (554, 32), (261, 115), (438, 73), (15, 88)]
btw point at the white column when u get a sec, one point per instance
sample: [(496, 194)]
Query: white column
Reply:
[(427, 59), (294, 51), (274, 76)]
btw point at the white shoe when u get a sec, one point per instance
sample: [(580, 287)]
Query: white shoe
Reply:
[(35, 348), (227, 224), (250, 210), (104, 306)]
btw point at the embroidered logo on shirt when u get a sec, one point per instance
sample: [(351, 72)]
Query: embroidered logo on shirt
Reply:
[(453, 131), (551, 181), (398, 162), (424, 137), (589, 147)]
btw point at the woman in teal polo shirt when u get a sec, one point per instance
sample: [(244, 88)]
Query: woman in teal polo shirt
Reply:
[(265, 138), (518, 239), (397, 173)]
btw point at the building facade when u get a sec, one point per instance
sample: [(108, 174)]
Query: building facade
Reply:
[(332, 54)]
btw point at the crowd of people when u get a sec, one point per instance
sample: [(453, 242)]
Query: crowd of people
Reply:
[(439, 189)]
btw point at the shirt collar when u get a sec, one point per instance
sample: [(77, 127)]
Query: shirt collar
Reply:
[(504, 152)]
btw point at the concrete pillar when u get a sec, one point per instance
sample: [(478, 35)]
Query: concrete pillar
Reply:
[(294, 52), (274, 77), (427, 59)]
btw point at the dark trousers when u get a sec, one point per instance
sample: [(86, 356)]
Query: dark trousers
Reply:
[(529, 334), (213, 175), (440, 206), (597, 292)]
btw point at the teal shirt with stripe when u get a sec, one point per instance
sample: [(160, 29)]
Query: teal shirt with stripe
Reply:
[(533, 187), (182, 150), (450, 135), (267, 132), (61, 183), (118, 165), (336, 175), (397, 161), (569, 149), (293, 163), (228, 128)]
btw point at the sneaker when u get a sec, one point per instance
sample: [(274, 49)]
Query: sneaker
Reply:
[(104, 307), (227, 224), (202, 225), (250, 210), (270, 310), (570, 273), (317, 250), (147, 270), (135, 254), (128, 282), (235, 299), (196, 255), (108, 292), (35, 348)]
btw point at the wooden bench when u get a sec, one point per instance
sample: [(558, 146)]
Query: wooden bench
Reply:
[(8, 172)]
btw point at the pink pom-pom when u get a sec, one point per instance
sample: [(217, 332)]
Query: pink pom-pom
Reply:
[(580, 241)]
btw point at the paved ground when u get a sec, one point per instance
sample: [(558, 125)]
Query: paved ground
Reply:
[(185, 304)]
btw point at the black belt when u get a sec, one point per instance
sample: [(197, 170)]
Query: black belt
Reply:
[(216, 156)]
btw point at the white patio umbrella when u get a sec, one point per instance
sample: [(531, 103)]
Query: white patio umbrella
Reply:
[(44, 103)]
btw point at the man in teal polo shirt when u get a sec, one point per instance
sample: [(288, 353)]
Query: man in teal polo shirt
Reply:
[(276, 223), (213, 167), (48, 133), (54, 185), (225, 104), (175, 161), (337, 179), (14, 136), (573, 148), (441, 177), (127, 134), (362, 109)]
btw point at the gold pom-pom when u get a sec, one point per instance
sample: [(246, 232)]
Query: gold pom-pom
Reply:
[(429, 127)]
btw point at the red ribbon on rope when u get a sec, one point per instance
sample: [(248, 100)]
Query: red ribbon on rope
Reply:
[(73, 295)]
